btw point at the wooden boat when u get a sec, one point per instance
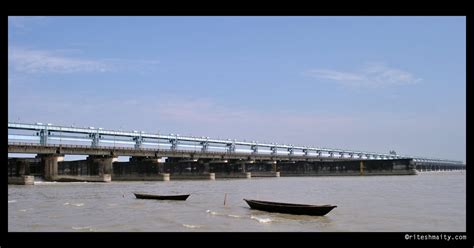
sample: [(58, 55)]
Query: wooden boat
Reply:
[(162, 197), (290, 208)]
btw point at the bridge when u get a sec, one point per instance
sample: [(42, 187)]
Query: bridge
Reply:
[(51, 141)]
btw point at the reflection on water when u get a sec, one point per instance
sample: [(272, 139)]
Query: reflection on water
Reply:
[(430, 201)]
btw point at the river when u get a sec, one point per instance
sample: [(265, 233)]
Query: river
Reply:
[(427, 202)]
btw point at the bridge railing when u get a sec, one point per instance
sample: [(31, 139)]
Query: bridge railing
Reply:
[(184, 152), (50, 132), (168, 151)]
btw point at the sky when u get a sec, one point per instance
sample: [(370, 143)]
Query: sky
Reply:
[(363, 83)]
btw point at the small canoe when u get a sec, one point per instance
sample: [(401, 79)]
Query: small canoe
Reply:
[(290, 208), (162, 197)]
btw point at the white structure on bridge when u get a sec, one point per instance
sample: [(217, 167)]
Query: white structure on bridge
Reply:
[(43, 133)]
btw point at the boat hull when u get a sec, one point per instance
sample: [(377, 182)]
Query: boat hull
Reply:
[(161, 197), (289, 208)]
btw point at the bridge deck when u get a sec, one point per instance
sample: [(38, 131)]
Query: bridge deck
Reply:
[(203, 147), (33, 148)]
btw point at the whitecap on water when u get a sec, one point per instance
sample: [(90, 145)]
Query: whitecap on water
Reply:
[(11, 201), (211, 212), (74, 204), (229, 215), (261, 219), (43, 182), (191, 226)]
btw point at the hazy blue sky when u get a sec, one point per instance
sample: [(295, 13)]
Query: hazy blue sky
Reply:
[(365, 83)]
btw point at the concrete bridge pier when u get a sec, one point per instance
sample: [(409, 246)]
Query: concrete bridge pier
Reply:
[(102, 165), (22, 167), (189, 169), (147, 163), (266, 169), (50, 165), (224, 168), (21, 175), (243, 166), (206, 170), (154, 164), (221, 168), (140, 169)]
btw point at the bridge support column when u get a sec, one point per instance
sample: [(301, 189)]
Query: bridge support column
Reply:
[(22, 167), (22, 172), (274, 167), (103, 164), (242, 169), (50, 165), (150, 166), (265, 169), (142, 169), (247, 174), (212, 175)]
